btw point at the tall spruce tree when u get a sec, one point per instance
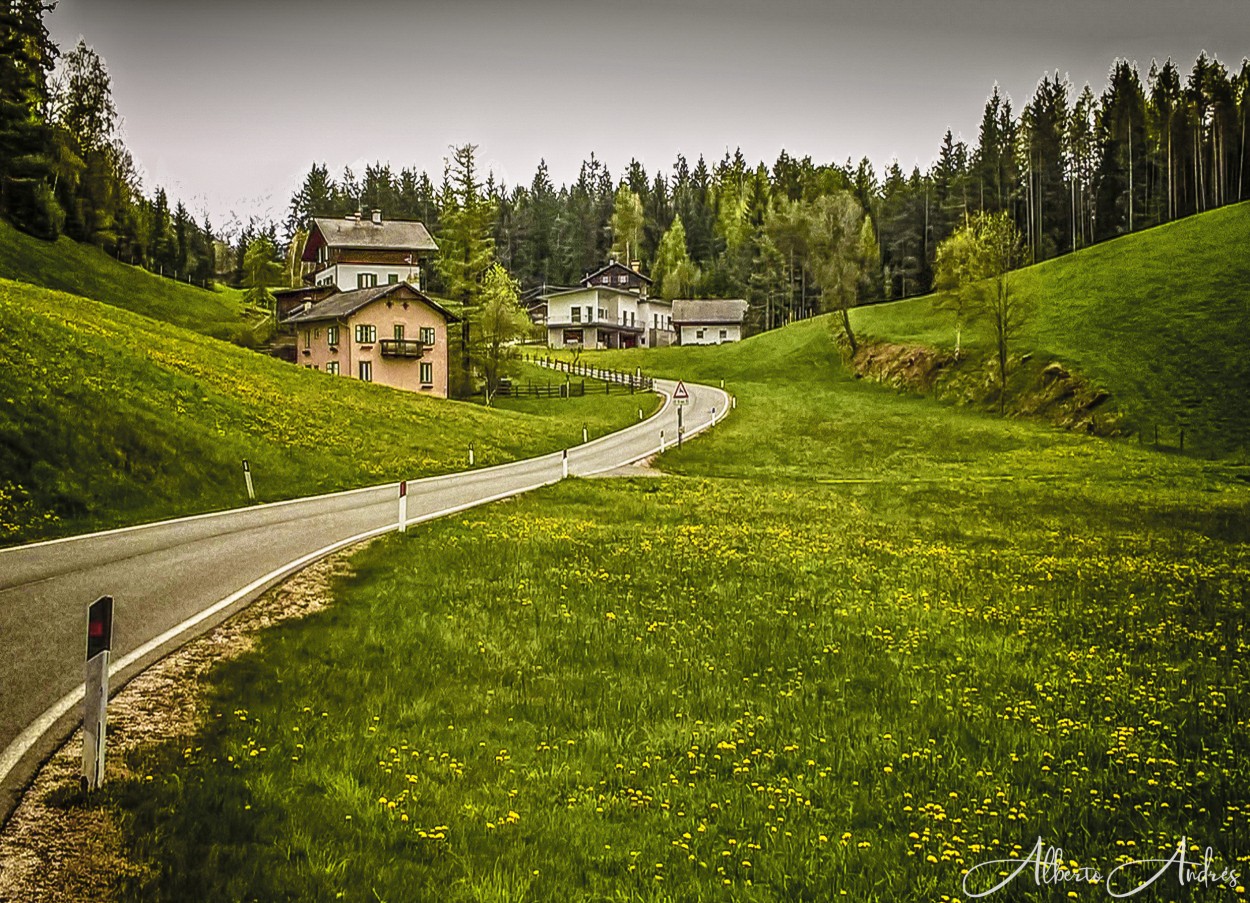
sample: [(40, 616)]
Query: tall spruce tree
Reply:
[(466, 249), (27, 55)]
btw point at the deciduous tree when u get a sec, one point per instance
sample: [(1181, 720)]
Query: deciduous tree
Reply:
[(499, 322)]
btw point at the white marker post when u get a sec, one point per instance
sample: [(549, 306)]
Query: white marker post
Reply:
[(585, 435), (95, 702), (661, 440), (564, 465), (403, 506), (470, 454), (734, 400), (247, 478), (640, 415), (713, 416)]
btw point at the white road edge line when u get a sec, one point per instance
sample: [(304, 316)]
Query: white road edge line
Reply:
[(267, 506), (23, 742)]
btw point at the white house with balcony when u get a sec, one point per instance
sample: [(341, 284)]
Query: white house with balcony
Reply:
[(611, 309)]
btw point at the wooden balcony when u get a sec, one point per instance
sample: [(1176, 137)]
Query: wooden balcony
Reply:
[(403, 348)]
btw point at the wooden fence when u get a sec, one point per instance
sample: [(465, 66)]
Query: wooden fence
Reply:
[(608, 380)]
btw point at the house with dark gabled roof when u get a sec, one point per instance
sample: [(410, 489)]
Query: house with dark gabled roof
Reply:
[(353, 253), (617, 275), (391, 334)]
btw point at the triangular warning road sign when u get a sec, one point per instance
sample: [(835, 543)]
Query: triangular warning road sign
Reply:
[(680, 393)]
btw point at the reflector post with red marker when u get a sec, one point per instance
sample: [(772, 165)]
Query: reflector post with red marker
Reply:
[(403, 506), (95, 701)]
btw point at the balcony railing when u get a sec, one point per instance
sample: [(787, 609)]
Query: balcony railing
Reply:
[(405, 348)]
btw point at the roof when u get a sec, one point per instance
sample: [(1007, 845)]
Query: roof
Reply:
[(616, 264), (710, 310), (591, 288), (389, 235), (347, 303), (304, 290)]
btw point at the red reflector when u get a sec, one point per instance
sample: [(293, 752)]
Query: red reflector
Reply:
[(95, 628)]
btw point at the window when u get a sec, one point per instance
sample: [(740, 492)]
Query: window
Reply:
[(366, 371), (724, 334), (605, 279), (316, 334), (698, 334), (307, 338), (428, 336), (366, 335), (399, 332), (603, 313), (590, 316), (577, 314), (332, 335), (332, 368), (427, 373), (633, 319), (622, 279), (366, 280), (392, 278)]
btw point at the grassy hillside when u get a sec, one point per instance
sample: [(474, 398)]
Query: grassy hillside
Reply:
[(85, 270), (860, 643), (1160, 319), (108, 417)]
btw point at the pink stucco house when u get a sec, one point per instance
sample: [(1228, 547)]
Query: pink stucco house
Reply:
[(391, 334)]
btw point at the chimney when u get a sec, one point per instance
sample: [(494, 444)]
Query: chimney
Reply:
[(377, 216), (636, 266)]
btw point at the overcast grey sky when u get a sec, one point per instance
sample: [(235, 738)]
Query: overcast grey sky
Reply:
[(227, 103)]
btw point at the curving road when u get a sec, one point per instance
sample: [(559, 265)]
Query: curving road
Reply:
[(175, 579)]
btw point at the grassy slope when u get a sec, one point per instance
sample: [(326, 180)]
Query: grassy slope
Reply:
[(107, 417), (86, 270), (1161, 319), (863, 642)]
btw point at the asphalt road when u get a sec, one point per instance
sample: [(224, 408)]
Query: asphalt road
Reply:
[(175, 579)]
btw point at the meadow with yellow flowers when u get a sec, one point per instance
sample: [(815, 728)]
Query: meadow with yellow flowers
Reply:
[(851, 644)]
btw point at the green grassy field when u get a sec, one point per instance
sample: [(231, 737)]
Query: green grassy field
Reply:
[(107, 418), (856, 643), (1160, 319), (85, 270)]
